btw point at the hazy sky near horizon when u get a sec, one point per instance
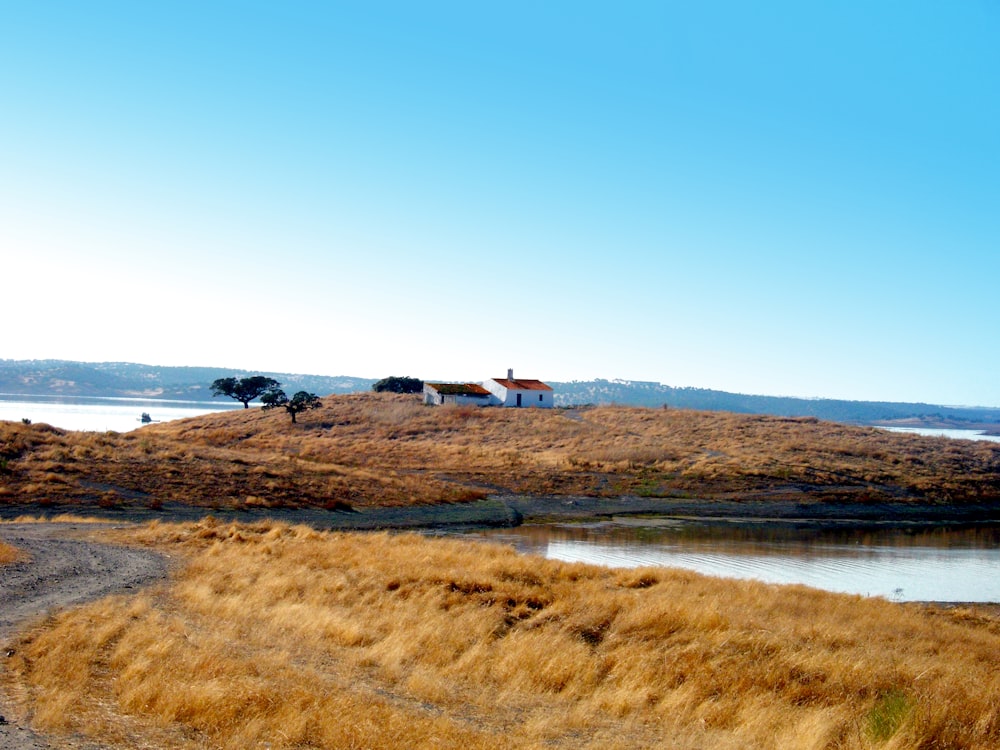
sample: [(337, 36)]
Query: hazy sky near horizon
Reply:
[(780, 198)]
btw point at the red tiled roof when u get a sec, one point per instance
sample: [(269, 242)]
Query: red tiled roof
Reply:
[(523, 385), (466, 389)]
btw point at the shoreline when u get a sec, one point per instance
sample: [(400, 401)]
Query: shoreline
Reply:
[(793, 513), (502, 512), (514, 510)]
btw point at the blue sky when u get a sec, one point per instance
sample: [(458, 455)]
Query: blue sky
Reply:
[(781, 198)]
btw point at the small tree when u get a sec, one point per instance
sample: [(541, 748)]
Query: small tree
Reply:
[(244, 390), (297, 404), (393, 384)]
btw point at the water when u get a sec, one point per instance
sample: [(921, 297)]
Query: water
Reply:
[(102, 414), (924, 564), (948, 433)]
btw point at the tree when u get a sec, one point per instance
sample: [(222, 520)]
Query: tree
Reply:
[(297, 404), (244, 390), (393, 384)]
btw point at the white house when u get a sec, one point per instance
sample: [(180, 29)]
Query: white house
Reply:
[(509, 391), (436, 394)]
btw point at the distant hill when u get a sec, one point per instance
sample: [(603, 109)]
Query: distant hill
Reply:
[(123, 379), (646, 393), (53, 377)]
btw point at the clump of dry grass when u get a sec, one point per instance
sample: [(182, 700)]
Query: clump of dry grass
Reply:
[(57, 518), (8, 553), (297, 638)]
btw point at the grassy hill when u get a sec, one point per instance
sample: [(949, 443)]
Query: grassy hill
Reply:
[(375, 450), (644, 393)]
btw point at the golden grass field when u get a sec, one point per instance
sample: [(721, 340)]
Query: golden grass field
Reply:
[(366, 450), (284, 637)]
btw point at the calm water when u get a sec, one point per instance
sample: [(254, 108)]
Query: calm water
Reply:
[(954, 434), (927, 564), (103, 414)]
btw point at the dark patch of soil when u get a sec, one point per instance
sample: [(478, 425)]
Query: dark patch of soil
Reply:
[(802, 512), (507, 510)]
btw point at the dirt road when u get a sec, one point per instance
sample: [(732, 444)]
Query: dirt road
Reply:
[(63, 570)]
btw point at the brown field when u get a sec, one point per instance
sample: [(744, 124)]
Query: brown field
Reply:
[(367, 450), (284, 637)]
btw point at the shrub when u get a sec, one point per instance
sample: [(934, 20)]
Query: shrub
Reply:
[(394, 384)]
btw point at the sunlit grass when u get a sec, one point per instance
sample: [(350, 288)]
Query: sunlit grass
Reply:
[(8, 553), (287, 636), (381, 449)]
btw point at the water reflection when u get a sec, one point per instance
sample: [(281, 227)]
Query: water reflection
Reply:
[(923, 563), (101, 414), (954, 434)]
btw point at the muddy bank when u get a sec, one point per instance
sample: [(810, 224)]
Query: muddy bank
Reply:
[(488, 513), (512, 510), (786, 512)]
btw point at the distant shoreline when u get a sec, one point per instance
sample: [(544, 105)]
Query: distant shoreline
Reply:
[(988, 428)]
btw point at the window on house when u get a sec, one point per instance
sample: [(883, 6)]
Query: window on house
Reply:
[(539, 396)]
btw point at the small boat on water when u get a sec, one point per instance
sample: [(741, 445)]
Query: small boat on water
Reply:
[(146, 419)]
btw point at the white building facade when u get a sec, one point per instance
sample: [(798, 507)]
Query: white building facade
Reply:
[(517, 392)]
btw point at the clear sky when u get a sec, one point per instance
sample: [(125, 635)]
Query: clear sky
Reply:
[(780, 198)]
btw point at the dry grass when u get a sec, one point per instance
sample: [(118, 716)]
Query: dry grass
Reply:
[(285, 637), (57, 518), (382, 449), (8, 554)]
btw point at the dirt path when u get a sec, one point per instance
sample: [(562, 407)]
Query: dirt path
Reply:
[(63, 570)]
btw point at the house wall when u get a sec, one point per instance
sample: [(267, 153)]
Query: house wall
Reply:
[(433, 398), (543, 399), (461, 399), (538, 399), (500, 396)]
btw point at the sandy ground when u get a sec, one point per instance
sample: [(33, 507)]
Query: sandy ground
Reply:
[(63, 569)]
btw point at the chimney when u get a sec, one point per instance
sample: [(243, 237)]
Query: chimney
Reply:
[(510, 373)]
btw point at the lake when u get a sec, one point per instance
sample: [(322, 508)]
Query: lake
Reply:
[(944, 564), (103, 414), (948, 433)]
